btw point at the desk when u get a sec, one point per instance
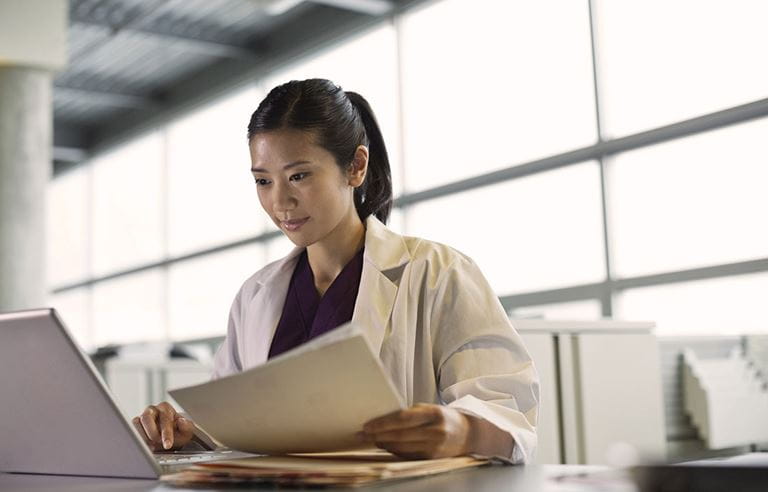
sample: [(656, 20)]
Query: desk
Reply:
[(532, 478)]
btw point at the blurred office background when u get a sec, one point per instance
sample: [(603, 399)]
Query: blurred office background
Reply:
[(598, 159)]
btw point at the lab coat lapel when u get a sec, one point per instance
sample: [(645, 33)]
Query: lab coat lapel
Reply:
[(267, 307), (385, 256)]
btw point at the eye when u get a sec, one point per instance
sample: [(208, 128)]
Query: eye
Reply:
[(262, 181), (298, 176)]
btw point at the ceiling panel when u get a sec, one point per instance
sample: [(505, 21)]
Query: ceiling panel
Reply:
[(131, 57)]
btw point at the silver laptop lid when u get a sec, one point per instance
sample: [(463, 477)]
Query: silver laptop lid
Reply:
[(56, 414)]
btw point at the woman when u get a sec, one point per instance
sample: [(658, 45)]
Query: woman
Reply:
[(322, 175)]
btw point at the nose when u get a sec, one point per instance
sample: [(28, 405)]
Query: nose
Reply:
[(283, 199)]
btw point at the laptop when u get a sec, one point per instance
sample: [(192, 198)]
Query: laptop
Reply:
[(57, 415)]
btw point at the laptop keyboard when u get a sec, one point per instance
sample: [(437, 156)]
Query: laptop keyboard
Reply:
[(178, 458)]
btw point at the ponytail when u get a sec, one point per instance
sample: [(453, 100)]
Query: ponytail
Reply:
[(374, 196)]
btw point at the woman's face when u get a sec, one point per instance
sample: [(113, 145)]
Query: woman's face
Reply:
[(301, 187)]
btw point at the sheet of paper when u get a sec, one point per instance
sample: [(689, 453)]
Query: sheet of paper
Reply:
[(311, 399)]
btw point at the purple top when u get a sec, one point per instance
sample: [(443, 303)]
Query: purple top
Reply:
[(306, 315)]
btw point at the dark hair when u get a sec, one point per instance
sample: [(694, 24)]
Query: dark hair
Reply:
[(340, 122)]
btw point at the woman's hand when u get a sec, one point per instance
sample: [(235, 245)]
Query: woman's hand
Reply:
[(162, 428), (422, 431)]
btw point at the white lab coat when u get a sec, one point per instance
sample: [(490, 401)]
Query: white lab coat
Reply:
[(441, 332)]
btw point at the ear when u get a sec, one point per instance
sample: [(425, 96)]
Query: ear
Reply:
[(358, 167)]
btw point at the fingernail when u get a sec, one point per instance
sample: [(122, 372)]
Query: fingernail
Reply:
[(167, 443)]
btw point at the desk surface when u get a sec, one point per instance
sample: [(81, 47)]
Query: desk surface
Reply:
[(550, 478)]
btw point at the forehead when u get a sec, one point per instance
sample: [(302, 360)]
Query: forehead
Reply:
[(278, 147)]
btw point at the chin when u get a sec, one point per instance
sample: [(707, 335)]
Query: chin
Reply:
[(299, 239)]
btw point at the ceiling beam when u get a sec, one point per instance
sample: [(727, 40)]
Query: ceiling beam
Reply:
[(368, 7), (70, 145), (72, 135), (131, 24), (193, 45), (114, 99), (69, 154), (319, 28)]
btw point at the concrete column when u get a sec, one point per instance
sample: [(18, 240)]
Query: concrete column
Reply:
[(26, 121), (33, 38)]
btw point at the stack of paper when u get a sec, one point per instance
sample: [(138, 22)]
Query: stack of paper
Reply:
[(349, 469)]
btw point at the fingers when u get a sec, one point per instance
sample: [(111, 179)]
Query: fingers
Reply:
[(415, 434), (422, 442), (412, 450), (414, 416), (184, 426), (167, 418), (157, 426), (184, 430), (148, 419), (422, 431), (136, 421)]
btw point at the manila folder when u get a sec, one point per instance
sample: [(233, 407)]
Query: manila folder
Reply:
[(314, 398)]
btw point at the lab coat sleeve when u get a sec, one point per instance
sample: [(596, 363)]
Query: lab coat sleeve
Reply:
[(482, 365), (227, 360)]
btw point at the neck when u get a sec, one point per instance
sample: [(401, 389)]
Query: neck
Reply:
[(328, 256)]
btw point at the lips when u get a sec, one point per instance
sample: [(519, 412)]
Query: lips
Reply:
[(293, 224)]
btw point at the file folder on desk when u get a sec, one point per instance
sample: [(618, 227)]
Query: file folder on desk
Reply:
[(351, 469)]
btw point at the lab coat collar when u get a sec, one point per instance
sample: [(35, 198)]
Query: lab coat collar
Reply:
[(384, 250), (386, 255)]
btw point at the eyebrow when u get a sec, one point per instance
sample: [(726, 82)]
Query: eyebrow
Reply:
[(287, 166)]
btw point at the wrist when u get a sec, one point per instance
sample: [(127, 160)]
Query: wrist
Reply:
[(485, 439), (473, 431)]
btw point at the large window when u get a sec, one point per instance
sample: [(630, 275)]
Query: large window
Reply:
[(494, 83), (74, 308), (128, 205), (130, 309), (692, 202), (68, 227), (201, 290), (539, 232), (722, 306), (663, 61), (211, 195), (523, 108), (574, 310)]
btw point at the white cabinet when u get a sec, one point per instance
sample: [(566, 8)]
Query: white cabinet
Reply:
[(601, 390), (541, 346)]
